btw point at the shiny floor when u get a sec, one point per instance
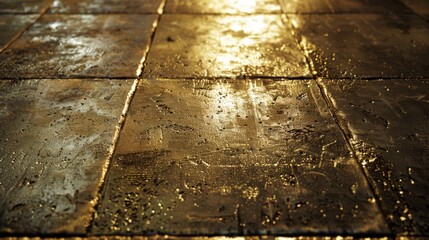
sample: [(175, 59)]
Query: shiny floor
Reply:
[(214, 118)]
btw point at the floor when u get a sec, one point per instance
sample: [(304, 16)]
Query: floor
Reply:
[(214, 118)]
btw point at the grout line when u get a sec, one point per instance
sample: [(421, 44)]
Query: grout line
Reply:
[(95, 203), (333, 113), (139, 71), (410, 12), (238, 14), (274, 13), (67, 78), (19, 13), (349, 13), (120, 124), (161, 236), (189, 78), (102, 13), (214, 78), (44, 10), (218, 13)]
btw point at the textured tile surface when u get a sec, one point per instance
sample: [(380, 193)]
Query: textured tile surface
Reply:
[(54, 141), (105, 6), (234, 157), (343, 6), (365, 45), (11, 25), (387, 124), (231, 46), (79, 46), (223, 6)]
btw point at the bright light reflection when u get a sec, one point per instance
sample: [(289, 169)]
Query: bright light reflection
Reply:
[(294, 21), (55, 25), (247, 6), (240, 41), (254, 25), (232, 6)]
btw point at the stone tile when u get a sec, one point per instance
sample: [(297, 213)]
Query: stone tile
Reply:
[(387, 125), (222, 6), (224, 46), (22, 6), (420, 7), (343, 6), (203, 157), (365, 45), (54, 140), (60, 46), (105, 6), (11, 25)]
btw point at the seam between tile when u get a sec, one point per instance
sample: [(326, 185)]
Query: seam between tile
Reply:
[(44, 10), (333, 114), (220, 14), (214, 78), (102, 13), (70, 78), (95, 203), (256, 77)]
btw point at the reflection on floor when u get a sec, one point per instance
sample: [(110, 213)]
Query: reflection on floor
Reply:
[(214, 118)]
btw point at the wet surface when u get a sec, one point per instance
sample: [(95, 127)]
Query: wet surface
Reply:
[(54, 141), (299, 148), (343, 6), (22, 6), (387, 125), (365, 45), (11, 25), (105, 6), (233, 157), (223, 6), (62, 46), (224, 46)]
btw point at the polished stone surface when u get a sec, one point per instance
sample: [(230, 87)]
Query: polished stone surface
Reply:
[(386, 122), (365, 45), (223, 6), (67, 46), (187, 46), (105, 6), (54, 141), (234, 157)]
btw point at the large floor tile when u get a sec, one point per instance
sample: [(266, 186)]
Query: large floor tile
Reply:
[(202, 157), (223, 6), (54, 141), (387, 124), (11, 25), (343, 6), (60, 46), (365, 45), (224, 46), (105, 6)]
